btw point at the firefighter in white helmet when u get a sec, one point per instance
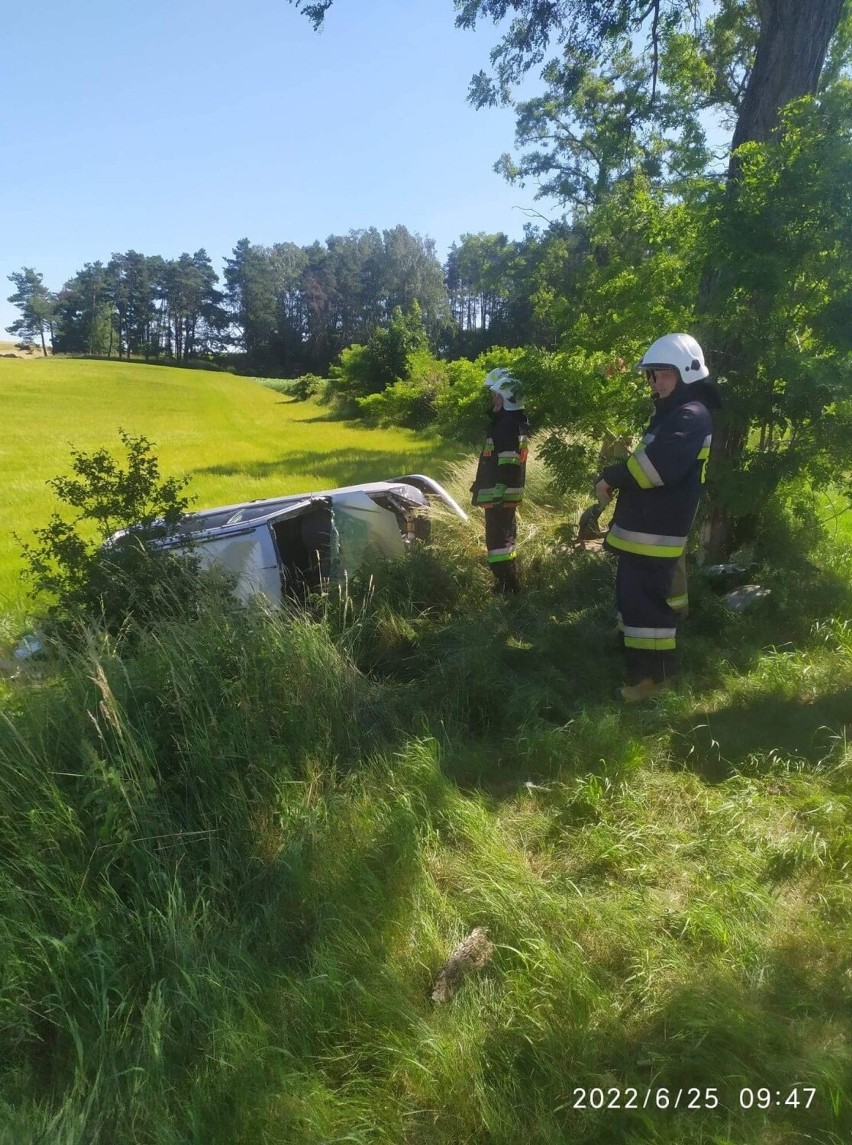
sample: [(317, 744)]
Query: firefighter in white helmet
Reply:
[(499, 484), (658, 488)]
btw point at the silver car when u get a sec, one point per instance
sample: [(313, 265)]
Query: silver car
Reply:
[(290, 546)]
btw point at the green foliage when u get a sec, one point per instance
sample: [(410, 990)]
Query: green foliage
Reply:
[(111, 578), (386, 358), (413, 400), (642, 274), (783, 294), (301, 388), (296, 308), (623, 89), (479, 278), (392, 347), (142, 306), (36, 304), (462, 408), (306, 386), (84, 314), (236, 856)]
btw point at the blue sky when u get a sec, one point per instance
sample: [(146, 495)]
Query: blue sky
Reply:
[(171, 125)]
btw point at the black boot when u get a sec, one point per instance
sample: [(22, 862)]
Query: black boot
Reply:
[(506, 579)]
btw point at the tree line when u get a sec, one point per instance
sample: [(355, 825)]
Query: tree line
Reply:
[(287, 309)]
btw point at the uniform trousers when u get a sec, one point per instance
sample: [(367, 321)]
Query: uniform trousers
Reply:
[(501, 532), (647, 620)]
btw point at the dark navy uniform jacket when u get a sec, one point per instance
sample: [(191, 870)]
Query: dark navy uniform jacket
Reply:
[(660, 483), (501, 471)]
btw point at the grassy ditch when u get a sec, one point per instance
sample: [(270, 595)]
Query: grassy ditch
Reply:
[(235, 860)]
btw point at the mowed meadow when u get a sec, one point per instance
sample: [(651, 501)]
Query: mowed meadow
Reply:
[(235, 439), (238, 850)]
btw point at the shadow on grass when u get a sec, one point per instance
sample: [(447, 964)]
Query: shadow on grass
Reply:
[(332, 416), (531, 699), (337, 467), (731, 739)]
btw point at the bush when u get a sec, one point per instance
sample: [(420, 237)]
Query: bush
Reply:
[(412, 401), (306, 386), (387, 358), (113, 576), (301, 388)]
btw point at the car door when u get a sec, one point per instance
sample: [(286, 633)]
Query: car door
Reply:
[(250, 552)]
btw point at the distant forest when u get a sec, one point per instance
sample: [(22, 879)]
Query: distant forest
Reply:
[(286, 310)]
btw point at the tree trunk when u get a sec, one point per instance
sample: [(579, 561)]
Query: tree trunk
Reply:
[(791, 50)]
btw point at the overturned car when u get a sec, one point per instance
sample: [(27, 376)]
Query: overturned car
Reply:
[(290, 546)]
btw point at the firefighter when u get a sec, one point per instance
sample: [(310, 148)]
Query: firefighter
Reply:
[(499, 484), (658, 488)]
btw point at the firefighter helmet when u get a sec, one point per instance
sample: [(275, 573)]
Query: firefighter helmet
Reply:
[(676, 352), (504, 383)]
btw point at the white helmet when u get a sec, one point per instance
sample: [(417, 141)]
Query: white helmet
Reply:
[(676, 352), (505, 384)]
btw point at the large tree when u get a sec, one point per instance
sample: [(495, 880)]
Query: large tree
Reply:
[(36, 304), (747, 59), (626, 80), (132, 279), (84, 313), (191, 306)]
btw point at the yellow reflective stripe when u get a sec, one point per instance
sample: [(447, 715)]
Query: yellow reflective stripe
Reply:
[(643, 550), (648, 467), (649, 644), (645, 544), (508, 458), (637, 473), (485, 495), (678, 602)]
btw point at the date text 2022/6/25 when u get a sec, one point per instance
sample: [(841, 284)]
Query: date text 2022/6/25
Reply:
[(690, 1097)]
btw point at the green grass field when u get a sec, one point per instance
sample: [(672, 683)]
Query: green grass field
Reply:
[(237, 851), (236, 439)]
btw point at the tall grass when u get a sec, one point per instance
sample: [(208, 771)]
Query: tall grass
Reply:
[(236, 856)]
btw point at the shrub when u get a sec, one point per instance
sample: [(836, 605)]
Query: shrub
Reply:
[(114, 575), (411, 401), (306, 386), (301, 388), (386, 359)]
